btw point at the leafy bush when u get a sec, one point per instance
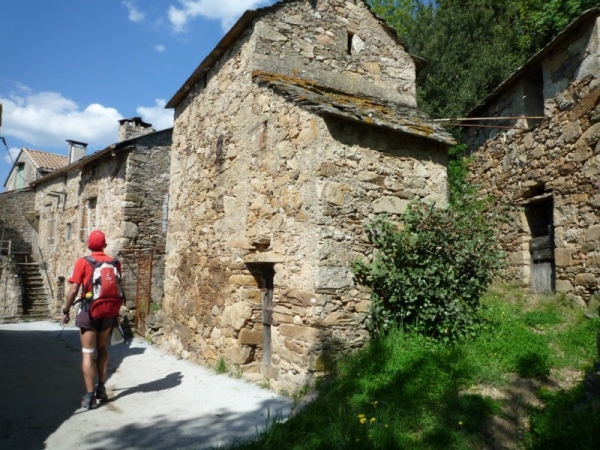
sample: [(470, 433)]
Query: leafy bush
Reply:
[(431, 274)]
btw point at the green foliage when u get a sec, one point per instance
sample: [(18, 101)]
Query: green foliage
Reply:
[(458, 169), (398, 12), (471, 46), (431, 274), (221, 366), (544, 19)]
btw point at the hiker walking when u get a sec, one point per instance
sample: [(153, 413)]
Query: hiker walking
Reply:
[(99, 276)]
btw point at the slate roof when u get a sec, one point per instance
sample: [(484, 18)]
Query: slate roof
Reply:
[(326, 101), (45, 160), (112, 149)]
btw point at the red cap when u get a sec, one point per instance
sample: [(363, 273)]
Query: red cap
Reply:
[(96, 241)]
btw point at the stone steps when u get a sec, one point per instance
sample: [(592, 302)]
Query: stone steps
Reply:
[(35, 301)]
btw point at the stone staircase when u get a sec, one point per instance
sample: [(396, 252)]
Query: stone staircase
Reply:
[(35, 298), (15, 257)]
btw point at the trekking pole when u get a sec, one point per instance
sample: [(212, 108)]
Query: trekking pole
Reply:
[(59, 334), (63, 329)]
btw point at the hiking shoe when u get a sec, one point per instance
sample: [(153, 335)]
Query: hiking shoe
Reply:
[(88, 401), (101, 395)]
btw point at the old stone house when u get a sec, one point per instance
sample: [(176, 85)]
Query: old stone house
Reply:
[(539, 154), (299, 127), (15, 242), (33, 164), (123, 190)]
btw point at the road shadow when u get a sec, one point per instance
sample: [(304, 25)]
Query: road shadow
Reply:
[(219, 429), (41, 382), (168, 382)]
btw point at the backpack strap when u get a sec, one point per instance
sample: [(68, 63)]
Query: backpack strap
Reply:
[(87, 286)]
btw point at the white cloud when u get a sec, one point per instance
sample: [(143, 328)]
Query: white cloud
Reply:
[(160, 48), (227, 11), (47, 119), (14, 152), (157, 115), (135, 14)]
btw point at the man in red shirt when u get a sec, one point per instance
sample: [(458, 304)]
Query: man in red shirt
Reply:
[(94, 333)]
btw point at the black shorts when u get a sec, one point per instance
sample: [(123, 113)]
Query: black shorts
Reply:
[(85, 322)]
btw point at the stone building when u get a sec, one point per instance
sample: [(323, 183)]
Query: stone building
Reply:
[(31, 165), (123, 190), (539, 154), (289, 137), (15, 241)]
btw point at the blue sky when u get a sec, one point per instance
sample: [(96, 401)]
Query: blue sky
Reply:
[(70, 69)]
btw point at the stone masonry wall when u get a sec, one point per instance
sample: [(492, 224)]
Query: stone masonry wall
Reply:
[(561, 157), (16, 227), (536, 92), (338, 43), (146, 207), (10, 291), (61, 238), (15, 221), (257, 183)]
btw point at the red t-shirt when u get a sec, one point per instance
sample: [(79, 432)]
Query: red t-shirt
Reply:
[(82, 272)]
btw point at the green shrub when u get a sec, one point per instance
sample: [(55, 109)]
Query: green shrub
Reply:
[(431, 274)]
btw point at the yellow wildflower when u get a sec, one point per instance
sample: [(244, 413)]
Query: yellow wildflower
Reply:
[(460, 424), (360, 416), (373, 419), (363, 419)]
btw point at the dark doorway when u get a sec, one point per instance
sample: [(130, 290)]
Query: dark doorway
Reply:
[(539, 215)]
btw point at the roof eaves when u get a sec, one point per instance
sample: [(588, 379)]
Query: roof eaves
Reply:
[(30, 155), (117, 147), (325, 101), (572, 28), (224, 44)]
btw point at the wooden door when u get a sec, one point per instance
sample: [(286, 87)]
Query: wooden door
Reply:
[(541, 245)]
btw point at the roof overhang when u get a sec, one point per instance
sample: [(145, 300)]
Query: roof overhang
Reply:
[(573, 28), (325, 101), (111, 149)]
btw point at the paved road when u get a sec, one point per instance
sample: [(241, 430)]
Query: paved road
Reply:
[(155, 400)]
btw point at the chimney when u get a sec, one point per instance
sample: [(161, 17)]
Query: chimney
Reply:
[(76, 150), (132, 128)]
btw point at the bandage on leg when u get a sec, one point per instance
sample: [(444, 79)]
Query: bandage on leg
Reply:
[(87, 350)]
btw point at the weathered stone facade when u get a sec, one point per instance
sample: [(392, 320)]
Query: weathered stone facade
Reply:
[(552, 162), (120, 190), (16, 234), (17, 215), (282, 152)]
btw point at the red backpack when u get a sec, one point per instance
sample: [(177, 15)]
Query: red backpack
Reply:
[(105, 287)]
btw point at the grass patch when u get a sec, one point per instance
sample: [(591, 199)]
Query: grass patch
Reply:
[(407, 391), (221, 366)]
